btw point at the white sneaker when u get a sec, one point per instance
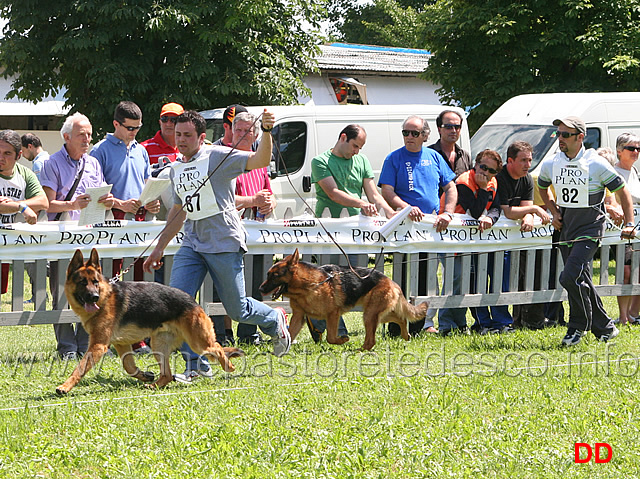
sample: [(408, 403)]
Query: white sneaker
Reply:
[(190, 374), (573, 337), (607, 337), (282, 341)]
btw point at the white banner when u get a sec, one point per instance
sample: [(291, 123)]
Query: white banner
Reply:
[(356, 234)]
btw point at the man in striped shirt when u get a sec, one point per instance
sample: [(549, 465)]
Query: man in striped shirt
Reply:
[(253, 189)]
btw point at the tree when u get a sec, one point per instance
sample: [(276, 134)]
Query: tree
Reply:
[(384, 22), (200, 54), (487, 52)]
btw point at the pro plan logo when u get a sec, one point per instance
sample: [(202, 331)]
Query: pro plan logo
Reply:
[(299, 223), (589, 452)]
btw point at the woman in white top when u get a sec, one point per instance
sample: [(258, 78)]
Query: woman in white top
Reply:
[(628, 149)]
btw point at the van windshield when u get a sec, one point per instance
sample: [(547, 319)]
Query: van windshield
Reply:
[(499, 137)]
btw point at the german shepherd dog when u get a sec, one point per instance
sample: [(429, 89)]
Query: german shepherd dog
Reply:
[(326, 292), (126, 312)]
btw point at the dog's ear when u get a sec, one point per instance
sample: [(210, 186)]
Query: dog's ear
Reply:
[(94, 260), (76, 262), (295, 257)]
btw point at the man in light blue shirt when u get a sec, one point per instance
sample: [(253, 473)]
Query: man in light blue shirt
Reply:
[(125, 162), (32, 150)]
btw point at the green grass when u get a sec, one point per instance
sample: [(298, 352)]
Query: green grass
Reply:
[(500, 406), (464, 406)]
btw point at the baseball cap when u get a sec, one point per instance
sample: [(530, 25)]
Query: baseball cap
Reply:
[(171, 109), (572, 122), (231, 112)]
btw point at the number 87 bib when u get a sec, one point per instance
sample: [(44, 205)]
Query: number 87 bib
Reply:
[(187, 177), (571, 182)]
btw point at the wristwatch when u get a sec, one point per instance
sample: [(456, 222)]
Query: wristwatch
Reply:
[(23, 207), (630, 225), (266, 130)]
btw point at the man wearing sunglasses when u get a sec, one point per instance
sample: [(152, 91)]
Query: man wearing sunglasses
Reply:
[(579, 177), (125, 162), (449, 123), (414, 175), (163, 143)]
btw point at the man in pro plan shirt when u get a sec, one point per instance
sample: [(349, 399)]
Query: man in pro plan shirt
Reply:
[(579, 177)]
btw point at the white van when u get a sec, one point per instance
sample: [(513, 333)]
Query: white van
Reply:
[(302, 132), (530, 117)]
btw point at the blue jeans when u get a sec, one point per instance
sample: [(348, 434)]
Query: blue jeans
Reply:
[(499, 316), (321, 326), (453, 318), (226, 270)]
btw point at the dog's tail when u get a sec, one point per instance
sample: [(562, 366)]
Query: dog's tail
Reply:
[(404, 309)]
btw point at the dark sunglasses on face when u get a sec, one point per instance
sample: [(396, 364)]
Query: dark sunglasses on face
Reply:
[(132, 128), (172, 119), (413, 133), (631, 148), (486, 168), (451, 126), (564, 134)]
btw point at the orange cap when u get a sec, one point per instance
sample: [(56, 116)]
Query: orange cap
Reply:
[(172, 109)]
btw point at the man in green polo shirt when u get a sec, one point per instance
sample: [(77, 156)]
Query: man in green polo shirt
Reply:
[(342, 173)]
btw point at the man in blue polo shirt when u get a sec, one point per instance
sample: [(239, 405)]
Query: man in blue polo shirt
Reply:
[(413, 175), (125, 162)]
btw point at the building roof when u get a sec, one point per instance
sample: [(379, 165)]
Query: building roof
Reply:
[(352, 57)]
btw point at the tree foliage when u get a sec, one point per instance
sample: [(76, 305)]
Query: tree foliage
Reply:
[(200, 54), (385, 22), (487, 52)]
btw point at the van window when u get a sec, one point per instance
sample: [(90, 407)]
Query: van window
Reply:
[(215, 130), (290, 146), (593, 139), (499, 137)]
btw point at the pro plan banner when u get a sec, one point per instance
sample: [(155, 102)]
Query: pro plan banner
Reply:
[(356, 234)]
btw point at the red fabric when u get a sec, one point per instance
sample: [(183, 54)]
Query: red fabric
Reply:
[(157, 147), (4, 278), (251, 182)]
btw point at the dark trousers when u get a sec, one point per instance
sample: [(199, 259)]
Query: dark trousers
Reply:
[(586, 311)]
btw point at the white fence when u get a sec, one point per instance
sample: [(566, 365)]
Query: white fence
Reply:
[(415, 251)]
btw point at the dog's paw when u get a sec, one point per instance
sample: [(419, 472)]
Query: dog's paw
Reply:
[(61, 391)]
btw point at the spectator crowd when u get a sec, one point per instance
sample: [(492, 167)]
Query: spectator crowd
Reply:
[(576, 191)]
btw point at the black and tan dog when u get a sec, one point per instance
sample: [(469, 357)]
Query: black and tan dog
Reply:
[(326, 292), (125, 312)]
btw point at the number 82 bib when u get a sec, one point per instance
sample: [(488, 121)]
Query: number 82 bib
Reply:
[(571, 182)]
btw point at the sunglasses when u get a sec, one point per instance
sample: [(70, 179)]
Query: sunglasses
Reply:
[(131, 128), (564, 134), (172, 119), (486, 168), (451, 126), (631, 148), (413, 133)]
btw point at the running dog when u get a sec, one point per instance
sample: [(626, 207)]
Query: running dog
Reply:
[(125, 312), (326, 292)]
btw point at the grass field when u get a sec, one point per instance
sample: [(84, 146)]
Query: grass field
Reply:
[(465, 406)]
